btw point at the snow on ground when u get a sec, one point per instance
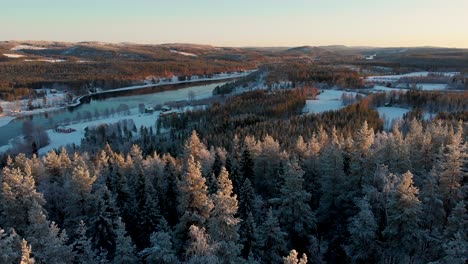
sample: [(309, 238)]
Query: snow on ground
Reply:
[(53, 101), (327, 100), (391, 114), (175, 80), (56, 101), (393, 78), (4, 120), (27, 47), (13, 56), (379, 88), (46, 60), (432, 86), (402, 88), (58, 140), (184, 53)]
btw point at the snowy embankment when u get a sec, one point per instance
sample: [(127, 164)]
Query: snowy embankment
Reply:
[(422, 86), (57, 140), (13, 56), (56, 101), (217, 77), (391, 114), (4, 120), (327, 100), (50, 102), (394, 78)]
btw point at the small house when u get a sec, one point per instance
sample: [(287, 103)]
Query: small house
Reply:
[(149, 110)]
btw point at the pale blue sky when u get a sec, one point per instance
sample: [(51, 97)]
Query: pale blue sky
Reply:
[(240, 22)]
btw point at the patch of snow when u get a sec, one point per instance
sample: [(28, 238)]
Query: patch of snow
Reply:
[(432, 86), (47, 60), (393, 78), (402, 87), (391, 114), (13, 56), (57, 140), (53, 101), (327, 100), (184, 53), (27, 47), (379, 88)]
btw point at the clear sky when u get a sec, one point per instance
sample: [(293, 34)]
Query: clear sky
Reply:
[(240, 22)]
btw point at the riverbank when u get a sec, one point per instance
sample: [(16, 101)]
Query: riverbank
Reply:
[(4, 120), (13, 112)]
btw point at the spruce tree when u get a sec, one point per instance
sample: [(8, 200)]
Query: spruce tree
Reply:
[(223, 224)]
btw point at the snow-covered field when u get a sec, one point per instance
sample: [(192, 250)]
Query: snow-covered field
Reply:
[(379, 88), (393, 78), (13, 56), (46, 60), (53, 101), (184, 53), (432, 86), (27, 47), (326, 101), (58, 140), (4, 120), (391, 114), (402, 88)]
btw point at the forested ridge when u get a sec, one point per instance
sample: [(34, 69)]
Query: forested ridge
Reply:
[(247, 181)]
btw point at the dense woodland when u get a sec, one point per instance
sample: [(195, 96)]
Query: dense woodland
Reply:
[(250, 180)]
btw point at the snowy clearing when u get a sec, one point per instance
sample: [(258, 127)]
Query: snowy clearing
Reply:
[(432, 86), (391, 114), (184, 53), (13, 56), (58, 140), (379, 88), (52, 101), (403, 87), (27, 47), (327, 100), (393, 78)]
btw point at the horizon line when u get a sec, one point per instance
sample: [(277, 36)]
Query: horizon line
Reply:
[(227, 46)]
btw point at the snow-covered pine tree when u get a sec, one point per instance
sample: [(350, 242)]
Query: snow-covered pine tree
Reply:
[(363, 230), (272, 239), (194, 204), (402, 233), (125, 251), (294, 213), (10, 245), (293, 258), (19, 197), (48, 242), (200, 249), (26, 253), (82, 247), (223, 225), (161, 249)]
